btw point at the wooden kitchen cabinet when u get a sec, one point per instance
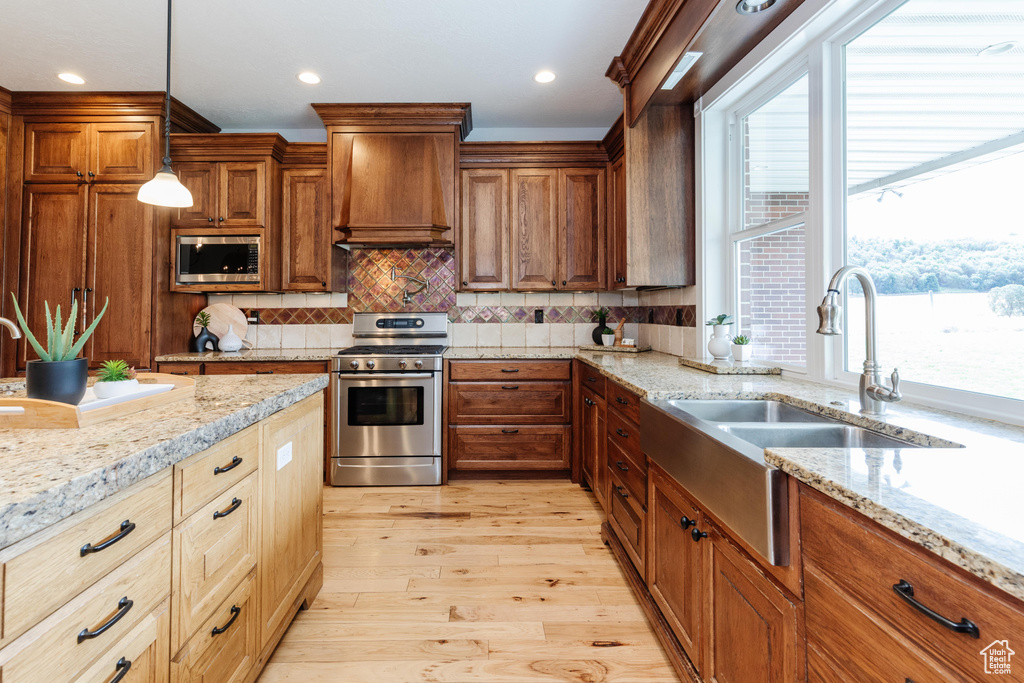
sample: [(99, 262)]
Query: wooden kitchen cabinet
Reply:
[(593, 443), (143, 652), (581, 228), (484, 265), (119, 152), (534, 241), (306, 232), (618, 235), (225, 194), (200, 178)]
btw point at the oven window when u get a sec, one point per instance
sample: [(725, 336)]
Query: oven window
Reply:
[(385, 406)]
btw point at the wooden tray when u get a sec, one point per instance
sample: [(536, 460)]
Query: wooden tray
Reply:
[(39, 414), (615, 349)]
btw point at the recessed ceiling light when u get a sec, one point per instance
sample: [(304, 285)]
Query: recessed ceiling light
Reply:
[(685, 62), (309, 77), (71, 78), (544, 77), (998, 49), (753, 6)]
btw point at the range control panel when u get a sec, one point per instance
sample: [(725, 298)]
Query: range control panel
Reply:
[(399, 323)]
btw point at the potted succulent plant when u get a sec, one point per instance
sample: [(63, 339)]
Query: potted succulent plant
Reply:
[(720, 343), (608, 337), (205, 336), (59, 375), (602, 315), (114, 378), (742, 349)]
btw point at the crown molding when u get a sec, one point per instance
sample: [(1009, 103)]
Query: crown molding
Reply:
[(217, 147), (392, 114), (59, 103), (532, 154), (305, 154)]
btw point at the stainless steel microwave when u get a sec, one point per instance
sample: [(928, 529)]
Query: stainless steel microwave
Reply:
[(204, 259)]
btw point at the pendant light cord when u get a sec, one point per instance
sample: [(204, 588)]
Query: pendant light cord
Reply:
[(167, 95)]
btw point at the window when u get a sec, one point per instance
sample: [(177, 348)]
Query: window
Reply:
[(769, 246)]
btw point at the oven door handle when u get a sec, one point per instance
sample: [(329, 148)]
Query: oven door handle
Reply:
[(355, 377)]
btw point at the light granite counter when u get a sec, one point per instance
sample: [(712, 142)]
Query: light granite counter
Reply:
[(509, 352), (49, 474), (251, 356), (963, 504)]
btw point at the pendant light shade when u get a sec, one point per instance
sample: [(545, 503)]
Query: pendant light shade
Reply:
[(165, 189)]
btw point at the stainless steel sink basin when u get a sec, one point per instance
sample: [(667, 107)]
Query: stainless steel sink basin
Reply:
[(745, 411), (811, 435)]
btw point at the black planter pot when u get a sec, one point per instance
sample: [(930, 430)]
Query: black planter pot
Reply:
[(63, 381), (596, 334), (204, 336)]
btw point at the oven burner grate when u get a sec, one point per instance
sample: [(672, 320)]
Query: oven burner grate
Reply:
[(404, 350)]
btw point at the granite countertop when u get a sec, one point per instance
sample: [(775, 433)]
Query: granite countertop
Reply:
[(250, 355), (509, 352), (49, 474), (963, 504)]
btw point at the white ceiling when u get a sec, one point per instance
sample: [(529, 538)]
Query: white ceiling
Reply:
[(235, 62)]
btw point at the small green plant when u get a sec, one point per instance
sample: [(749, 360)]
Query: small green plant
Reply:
[(60, 340), (203, 319), (601, 313), (607, 330), (115, 371), (721, 319), (741, 340)]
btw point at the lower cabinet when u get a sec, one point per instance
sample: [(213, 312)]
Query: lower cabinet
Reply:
[(593, 443), (140, 657), (224, 649)]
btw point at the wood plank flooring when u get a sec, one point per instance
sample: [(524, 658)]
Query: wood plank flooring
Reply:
[(503, 582)]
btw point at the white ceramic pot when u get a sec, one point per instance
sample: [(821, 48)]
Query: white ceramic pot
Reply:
[(742, 352), (112, 389), (720, 344), (608, 339), (230, 341)]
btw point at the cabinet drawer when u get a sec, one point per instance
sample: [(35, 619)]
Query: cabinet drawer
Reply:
[(180, 368), (628, 522), (213, 550), (626, 436), (628, 473), (591, 378), (143, 652), (512, 403), (223, 650), (502, 371), (510, 448), (624, 401), (856, 645), (873, 563), (111, 608), (243, 368), (45, 573), (200, 477)]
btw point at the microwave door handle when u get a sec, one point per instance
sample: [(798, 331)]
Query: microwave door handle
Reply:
[(365, 376)]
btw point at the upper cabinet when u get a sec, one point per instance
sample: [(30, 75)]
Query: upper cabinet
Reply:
[(581, 228), (117, 152), (534, 224), (226, 194), (394, 171), (485, 216)]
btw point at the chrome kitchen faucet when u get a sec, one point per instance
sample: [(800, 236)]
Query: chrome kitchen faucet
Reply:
[(873, 394)]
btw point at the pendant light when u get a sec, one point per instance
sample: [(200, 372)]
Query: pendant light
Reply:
[(165, 189)]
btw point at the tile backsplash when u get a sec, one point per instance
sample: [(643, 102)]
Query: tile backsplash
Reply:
[(663, 319)]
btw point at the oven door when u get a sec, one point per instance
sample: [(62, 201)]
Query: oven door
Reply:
[(386, 415)]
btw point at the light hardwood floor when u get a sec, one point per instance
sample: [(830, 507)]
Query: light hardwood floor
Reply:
[(476, 581)]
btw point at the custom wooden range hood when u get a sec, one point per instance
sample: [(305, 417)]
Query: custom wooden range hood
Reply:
[(394, 171)]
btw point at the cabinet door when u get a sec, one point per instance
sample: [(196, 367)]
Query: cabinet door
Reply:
[(53, 249), (617, 278), (755, 625), (141, 655), (242, 193), (581, 232), (56, 152), (594, 444), (677, 564), (291, 475), (119, 266), (534, 218), (121, 152), (484, 244), (306, 242), (201, 180)]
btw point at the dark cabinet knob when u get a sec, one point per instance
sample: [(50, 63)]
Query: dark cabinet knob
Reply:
[(221, 219), (686, 522), (696, 534), (323, 283), (91, 174), (210, 219), (78, 173), (465, 284), (553, 284)]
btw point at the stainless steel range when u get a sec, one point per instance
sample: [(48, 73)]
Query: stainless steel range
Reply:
[(386, 401)]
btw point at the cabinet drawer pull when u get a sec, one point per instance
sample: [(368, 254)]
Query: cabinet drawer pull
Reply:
[(183, 372), (122, 668), (621, 433), (123, 606), (126, 528), (235, 502), (235, 611), (511, 388), (264, 372), (235, 462), (510, 369), (686, 522), (624, 468), (591, 379), (621, 492), (619, 399), (906, 591), (509, 431), (696, 534)]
